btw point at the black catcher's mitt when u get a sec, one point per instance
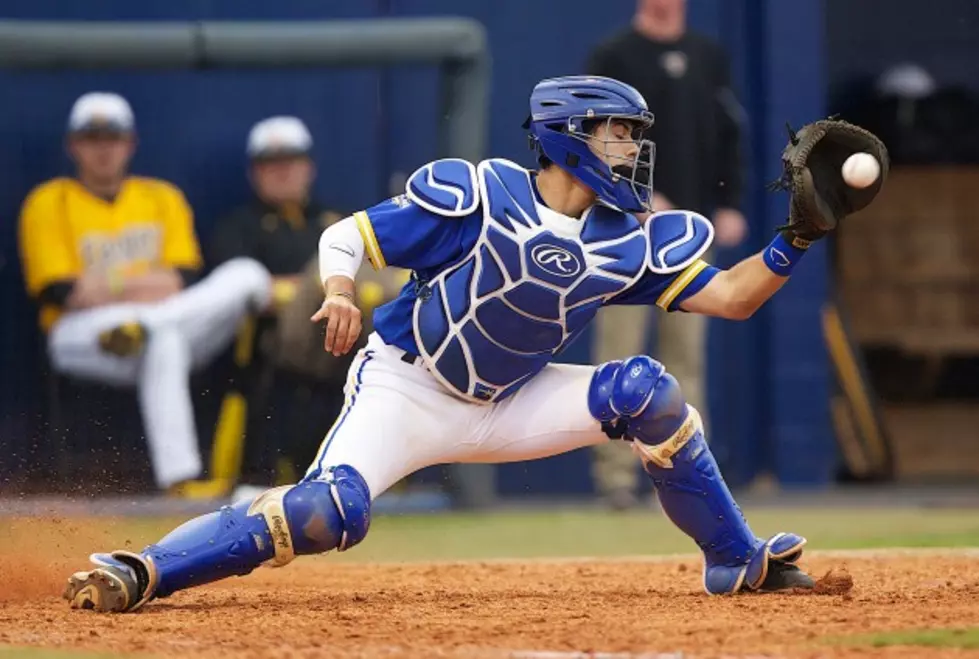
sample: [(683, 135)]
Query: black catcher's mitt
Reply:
[(812, 172)]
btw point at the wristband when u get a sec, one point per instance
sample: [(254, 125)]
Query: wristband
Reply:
[(781, 256), (349, 296)]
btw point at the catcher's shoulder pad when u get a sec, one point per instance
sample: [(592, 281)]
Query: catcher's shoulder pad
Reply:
[(445, 187), (677, 239)]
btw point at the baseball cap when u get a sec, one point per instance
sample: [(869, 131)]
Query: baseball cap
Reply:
[(279, 136), (100, 111)]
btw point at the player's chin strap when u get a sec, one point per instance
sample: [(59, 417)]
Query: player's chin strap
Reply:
[(668, 436)]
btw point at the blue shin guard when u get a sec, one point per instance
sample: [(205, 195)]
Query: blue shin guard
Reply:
[(643, 401), (312, 517)]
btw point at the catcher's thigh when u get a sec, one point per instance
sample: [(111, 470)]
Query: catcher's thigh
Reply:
[(396, 419), (548, 416)]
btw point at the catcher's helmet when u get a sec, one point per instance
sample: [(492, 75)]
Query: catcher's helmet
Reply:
[(562, 112)]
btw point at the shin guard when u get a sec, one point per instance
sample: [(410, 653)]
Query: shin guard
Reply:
[(309, 518), (668, 435)]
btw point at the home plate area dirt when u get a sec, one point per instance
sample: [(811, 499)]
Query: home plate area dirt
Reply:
[(318, 607)]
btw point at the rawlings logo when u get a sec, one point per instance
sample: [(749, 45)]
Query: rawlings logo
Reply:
[(280, 533), (556, 260)]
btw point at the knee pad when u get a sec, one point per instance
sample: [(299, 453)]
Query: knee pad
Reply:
[(638, 396), (316, 516)]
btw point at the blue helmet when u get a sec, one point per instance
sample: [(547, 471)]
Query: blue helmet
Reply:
[(562, 113)]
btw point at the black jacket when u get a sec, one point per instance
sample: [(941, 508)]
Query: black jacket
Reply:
[(282, 239), (697, 132)]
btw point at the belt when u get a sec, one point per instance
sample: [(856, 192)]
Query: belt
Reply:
[(411, 358)]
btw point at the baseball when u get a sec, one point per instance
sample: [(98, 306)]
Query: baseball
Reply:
[(860, 170)]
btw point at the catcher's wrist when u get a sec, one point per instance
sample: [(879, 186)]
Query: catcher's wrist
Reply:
[(784, 253)]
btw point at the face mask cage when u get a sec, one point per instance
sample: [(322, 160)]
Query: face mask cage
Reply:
[(636, 173)]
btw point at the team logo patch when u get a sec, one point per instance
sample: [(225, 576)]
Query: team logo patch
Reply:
[(556, 260)]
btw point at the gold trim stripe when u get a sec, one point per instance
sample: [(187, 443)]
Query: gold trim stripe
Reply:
[(370, 240), (681, 282)]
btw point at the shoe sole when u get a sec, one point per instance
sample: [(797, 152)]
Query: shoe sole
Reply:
[(98, 590)]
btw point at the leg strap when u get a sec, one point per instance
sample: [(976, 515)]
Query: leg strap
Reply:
[(694, 495), (309, 518)]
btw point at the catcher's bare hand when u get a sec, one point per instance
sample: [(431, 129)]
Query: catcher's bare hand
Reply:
[(343, 323)]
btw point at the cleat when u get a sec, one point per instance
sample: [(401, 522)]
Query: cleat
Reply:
[(785, 576), (126, 340), (106, 589)]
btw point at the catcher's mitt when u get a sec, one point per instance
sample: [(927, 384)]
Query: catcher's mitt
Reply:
[(812, 172)]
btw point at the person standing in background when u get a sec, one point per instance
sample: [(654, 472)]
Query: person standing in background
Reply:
[(697, 132)]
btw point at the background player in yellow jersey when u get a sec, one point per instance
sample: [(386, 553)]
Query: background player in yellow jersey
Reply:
[(112, 260)]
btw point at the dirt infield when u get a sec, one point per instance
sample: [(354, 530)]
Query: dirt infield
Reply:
[(317, 607)]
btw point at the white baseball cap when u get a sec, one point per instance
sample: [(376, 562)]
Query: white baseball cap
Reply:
[(279, 136), (101, 111)]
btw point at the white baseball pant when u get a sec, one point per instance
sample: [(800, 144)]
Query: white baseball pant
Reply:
[(184, 333), (398, 419)]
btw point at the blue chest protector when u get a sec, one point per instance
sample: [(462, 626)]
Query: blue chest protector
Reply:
[(529, 285)]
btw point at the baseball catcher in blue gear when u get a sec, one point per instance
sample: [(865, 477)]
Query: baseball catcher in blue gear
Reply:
[(509, 266)]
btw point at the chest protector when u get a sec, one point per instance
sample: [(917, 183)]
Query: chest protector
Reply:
[(531, 283)]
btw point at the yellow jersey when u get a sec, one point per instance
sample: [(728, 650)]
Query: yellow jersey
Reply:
[(66, 231)]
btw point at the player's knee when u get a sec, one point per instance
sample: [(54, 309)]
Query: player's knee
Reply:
[(640, 391), (316, 516), (246, 272), (600, 391)]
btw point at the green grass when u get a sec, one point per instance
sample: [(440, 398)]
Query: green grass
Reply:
[(596, 533), (932, 638), (569, 533)]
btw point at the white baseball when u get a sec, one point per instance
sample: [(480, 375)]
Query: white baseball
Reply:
[(861, 170)]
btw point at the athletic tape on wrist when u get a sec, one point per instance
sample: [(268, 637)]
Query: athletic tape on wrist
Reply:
[(781, 256)]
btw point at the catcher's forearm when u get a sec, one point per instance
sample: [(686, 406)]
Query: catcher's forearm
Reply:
[(750, 283), (756, 279), (739, 292)]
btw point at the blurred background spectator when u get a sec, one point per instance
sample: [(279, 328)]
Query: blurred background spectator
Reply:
[(685, 78), (112, 260)]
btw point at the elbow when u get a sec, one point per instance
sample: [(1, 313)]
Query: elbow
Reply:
[(739, 308)]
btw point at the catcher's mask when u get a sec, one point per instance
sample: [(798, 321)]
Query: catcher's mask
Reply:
[(565, 111)]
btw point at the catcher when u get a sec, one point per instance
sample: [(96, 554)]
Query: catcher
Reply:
[(508, 267)]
